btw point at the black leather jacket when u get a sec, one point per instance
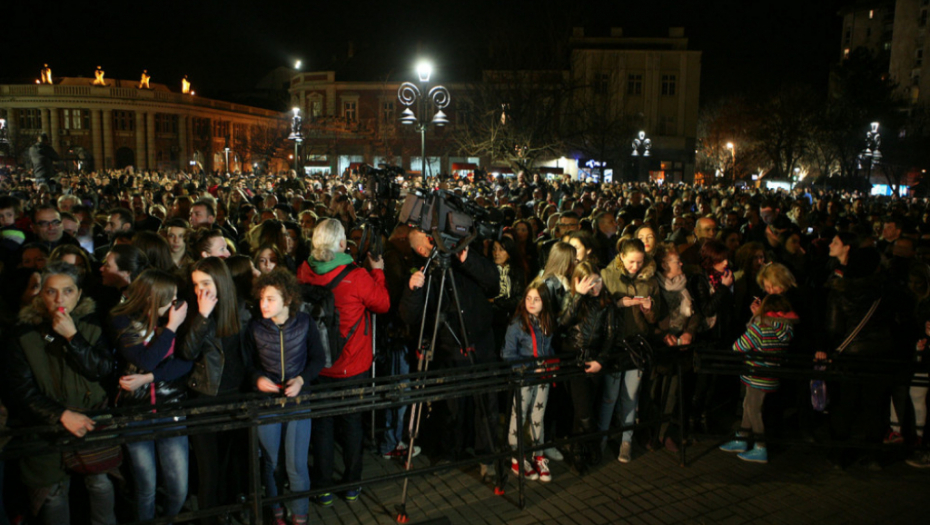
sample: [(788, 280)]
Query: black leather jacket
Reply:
[(201, 345), (590, 328)]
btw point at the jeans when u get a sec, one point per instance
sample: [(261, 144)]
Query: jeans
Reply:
[(752, 414), (394, 417), (173, 456), (56, 511), (296, 449), (324, 442), (626, 386)]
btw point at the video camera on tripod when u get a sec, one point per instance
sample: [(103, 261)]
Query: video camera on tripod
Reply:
[(453, 221), (379, 185)]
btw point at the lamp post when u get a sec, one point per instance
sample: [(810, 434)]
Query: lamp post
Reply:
[(226, 151), (872, 152), (641, 148), (438, 96), (297, 136), (732, 148)]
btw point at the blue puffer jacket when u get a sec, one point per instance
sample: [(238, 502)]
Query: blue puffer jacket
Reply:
[(285, 352), (519, 344)]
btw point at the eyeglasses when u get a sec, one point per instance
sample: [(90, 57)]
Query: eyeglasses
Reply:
[(46, 224)]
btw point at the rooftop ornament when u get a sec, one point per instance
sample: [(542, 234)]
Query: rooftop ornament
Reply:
[(98, 77), (45, 75), (186, 86), (144, 83)]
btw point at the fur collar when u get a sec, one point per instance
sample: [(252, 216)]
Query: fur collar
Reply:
[(646, 273), (34, 313)]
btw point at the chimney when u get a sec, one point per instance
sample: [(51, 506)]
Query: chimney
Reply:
[(616, 32), (351, 52), (676, 32)]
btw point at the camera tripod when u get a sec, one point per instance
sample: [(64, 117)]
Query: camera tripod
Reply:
[(443, 257)]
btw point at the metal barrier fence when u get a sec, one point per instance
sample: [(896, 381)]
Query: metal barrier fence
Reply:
[(379, 393)]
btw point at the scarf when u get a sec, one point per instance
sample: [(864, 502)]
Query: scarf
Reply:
[(678, 284), (504, 275)]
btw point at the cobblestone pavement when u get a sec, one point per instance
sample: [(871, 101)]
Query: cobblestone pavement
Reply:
[(797, 486)]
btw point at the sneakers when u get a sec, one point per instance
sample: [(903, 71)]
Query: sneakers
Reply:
[(756, 454), (737, 445), (542, 468), (528, 471), (553, 454), (325, 499), (352, 495), (920, 459), (400, 451), (893, 438), (626, 452)]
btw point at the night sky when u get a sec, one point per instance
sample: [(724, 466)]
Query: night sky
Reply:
[(749, 46)]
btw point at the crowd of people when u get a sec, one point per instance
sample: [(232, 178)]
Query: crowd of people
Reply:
[(125, 288)]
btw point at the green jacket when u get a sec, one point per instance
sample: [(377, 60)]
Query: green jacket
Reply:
[(619, 283)]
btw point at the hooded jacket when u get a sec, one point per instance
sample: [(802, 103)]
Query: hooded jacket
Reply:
[(46, 375), (360, 294), (620, 284)]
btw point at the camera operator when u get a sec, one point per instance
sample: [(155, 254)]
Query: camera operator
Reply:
[(476, 280)]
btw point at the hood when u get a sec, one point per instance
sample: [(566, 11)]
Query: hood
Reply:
[(32, 314), (647, 272), (324, 267)]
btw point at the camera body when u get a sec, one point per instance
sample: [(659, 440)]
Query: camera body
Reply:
[(448, 215)]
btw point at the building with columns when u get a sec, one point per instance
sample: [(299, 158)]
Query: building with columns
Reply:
[(121, 124)]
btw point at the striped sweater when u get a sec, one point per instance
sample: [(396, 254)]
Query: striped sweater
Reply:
[(770, 337)]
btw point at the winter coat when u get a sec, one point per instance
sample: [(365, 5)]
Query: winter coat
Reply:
[(201, 345), (621, 284), (156, 356), (44, 378), (476, 281), (847, 304), (715, 306), (764, 336), (360, 294), (43, 158), (590, 329), (287, 351)]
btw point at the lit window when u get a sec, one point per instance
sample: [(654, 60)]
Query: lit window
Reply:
[(350, 111), (871, 14), (846, 53)]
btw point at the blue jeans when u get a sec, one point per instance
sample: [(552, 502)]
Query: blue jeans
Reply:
[(296, 449), (173, 456), (626, 386), (324, 434), (56, 510), (394, 417)]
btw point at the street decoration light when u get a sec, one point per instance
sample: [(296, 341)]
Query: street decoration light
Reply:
[(732, 148), (296, 135), (438, 96)]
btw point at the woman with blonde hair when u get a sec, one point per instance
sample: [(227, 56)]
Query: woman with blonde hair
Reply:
[(558, 271)]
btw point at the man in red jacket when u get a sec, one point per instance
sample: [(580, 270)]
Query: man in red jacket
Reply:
[(359, 294)]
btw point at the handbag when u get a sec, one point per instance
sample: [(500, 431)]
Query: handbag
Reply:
[(640, 352), (820, 398)]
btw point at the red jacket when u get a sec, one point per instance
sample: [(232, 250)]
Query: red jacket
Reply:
[(360, 291)]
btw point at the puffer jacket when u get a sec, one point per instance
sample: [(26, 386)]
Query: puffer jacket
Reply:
[(287, 351), (157, 357), (45, 377), (590, 329), (621, 284), (201, 345)]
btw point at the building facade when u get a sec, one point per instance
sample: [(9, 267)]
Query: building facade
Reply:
[(122, 123)]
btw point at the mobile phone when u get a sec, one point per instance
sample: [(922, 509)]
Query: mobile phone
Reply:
[(179, 304)]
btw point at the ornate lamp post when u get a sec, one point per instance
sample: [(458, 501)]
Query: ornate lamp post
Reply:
[(297, 136), (226, 151), (641, 148), (872, 152), (438, 96)]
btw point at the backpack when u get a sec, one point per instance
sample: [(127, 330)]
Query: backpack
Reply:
[(320, 303)]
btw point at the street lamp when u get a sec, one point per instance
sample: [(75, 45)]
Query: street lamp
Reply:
[(732, 149), (226, 151), (296, 135), (872, 152), (438, 96), (641, 148)]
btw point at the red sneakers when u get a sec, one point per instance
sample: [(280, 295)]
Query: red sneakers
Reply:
[(542, 468), (528, 471)]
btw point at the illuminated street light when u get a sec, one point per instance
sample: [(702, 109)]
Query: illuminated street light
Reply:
[(438, 96), (297, 136), (297, 65)]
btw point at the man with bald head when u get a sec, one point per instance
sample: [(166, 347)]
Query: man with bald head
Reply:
[(704, 229)]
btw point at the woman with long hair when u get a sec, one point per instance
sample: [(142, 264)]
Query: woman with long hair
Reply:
[(152, 376), (512, 283), (208, 242), (156, 250), (213, 341), (589, 320), (558, 272), (267, 257)]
